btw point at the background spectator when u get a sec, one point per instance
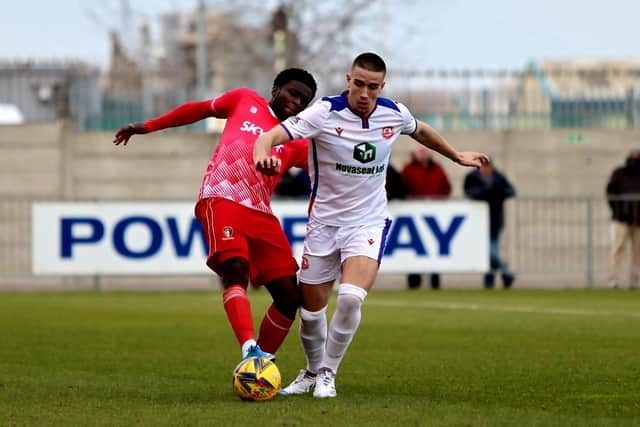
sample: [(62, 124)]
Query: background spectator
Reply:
[(294, 183), (424, 177), (488, 184), (623, 191), (394, 185)]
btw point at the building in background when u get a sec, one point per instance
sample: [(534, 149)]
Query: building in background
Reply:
[(578, 94), (545, 94), (158, 76), (201, 53), (48, 91)]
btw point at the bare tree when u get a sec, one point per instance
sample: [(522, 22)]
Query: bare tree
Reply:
[(322, 36)]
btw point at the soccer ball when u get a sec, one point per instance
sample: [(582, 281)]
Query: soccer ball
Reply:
[(257, 379)]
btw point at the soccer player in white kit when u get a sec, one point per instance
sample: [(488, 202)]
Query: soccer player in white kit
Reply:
[(351, 138)]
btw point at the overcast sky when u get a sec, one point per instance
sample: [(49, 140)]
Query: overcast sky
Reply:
[(442, 33)]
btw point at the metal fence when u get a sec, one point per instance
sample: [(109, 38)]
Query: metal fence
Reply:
[(15, 239), (549, 242), (479, 99), (560, 238), (541, 96)]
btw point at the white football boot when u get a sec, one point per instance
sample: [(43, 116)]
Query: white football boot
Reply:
[(325, 384), (303, 383)]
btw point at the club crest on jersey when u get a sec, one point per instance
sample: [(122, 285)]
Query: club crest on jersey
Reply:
[(339, 131), (227, 233), (387, 132), (371, 242)]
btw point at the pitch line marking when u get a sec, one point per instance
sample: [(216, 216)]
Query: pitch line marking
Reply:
[(508, 309)]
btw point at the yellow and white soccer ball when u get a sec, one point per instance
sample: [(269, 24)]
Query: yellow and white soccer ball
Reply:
[(256, 379)]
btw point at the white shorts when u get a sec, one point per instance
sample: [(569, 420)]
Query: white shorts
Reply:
[(327, 246)]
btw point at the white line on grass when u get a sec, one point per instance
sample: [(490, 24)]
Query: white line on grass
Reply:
[(504, 308)]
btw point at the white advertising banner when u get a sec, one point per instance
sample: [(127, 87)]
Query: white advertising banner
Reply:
[(165, 238)]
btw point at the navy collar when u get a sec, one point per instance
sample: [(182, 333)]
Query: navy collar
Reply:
[(365, 119)]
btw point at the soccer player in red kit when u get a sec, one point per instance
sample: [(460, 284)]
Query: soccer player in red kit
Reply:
[(245, 239)]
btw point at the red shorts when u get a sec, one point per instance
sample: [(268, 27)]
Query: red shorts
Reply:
[(232, 230)]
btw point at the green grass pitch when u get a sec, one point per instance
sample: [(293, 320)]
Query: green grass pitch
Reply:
[(454, 357)]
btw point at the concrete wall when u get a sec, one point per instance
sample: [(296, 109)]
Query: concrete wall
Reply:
[(541, 163), (31, 160), (52, 162), (162, 166)]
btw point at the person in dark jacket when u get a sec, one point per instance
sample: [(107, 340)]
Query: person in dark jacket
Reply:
[(488, 184), (394, 185), (623, 193), (295, 183)]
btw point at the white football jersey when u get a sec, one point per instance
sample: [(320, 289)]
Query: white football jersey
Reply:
[(349, 156)]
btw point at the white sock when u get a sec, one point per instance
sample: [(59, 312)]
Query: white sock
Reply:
[(313, 336), (344, 324), (246, 345)]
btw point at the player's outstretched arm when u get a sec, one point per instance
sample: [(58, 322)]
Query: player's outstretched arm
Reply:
[(185, 114), (123, 134), (473, 159), (262, 158), (430, 138)]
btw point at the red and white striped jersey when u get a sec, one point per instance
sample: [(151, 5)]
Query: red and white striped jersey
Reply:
[(231, 173)]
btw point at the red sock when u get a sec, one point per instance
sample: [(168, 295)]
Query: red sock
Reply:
[(273, 330), (238, 309)]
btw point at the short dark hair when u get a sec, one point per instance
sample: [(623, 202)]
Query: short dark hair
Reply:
[(370, 61), (297, 74)]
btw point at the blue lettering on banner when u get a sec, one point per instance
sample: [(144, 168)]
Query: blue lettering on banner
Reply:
[(288, 224), (184, 249), (414, 242), (399, 224), (68, 239), (444, 239), (83, 231), (182, 245), (121, 228)]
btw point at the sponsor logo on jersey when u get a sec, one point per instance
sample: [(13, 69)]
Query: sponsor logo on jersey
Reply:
[(339, 131), (252, 128), (360, 170), (227, 233), (364, 152), (387, 132)]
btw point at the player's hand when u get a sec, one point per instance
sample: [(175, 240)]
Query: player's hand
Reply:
[(269, 165), (123, 135), (473, 159)]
